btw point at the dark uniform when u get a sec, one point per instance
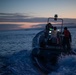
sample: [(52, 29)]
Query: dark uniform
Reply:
[(48, 26)]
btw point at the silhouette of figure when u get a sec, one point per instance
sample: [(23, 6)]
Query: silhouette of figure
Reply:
[(47, 28), (54, 32), (66, 39), (54, 35)]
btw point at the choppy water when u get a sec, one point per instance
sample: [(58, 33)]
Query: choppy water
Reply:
[(15, 41), (18, 45)]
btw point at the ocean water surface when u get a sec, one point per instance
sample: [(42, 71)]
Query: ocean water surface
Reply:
[(15, 49)]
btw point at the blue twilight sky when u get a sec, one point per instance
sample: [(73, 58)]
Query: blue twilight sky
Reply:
[(21, 14), (40, 8)]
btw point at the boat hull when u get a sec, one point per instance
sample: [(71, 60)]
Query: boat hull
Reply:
[(45, 57)]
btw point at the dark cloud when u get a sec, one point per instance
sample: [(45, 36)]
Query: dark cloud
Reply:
[(4, 14), (19, 17), (13, 16), (9, 26)]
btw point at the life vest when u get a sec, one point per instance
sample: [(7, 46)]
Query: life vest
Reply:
[(66, 33)]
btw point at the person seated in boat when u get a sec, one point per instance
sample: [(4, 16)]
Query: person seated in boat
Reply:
[(47, 28), (66, 39), (54, 35)]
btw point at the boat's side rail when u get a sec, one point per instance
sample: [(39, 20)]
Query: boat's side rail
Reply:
[(35, 42)]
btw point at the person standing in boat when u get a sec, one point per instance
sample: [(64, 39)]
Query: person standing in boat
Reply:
[(47, 28), (66, 39)]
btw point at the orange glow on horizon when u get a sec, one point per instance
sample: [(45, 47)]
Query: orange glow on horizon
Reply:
[(23, 25)]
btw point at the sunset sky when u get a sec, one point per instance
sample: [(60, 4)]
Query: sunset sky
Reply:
[(22, 9)]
